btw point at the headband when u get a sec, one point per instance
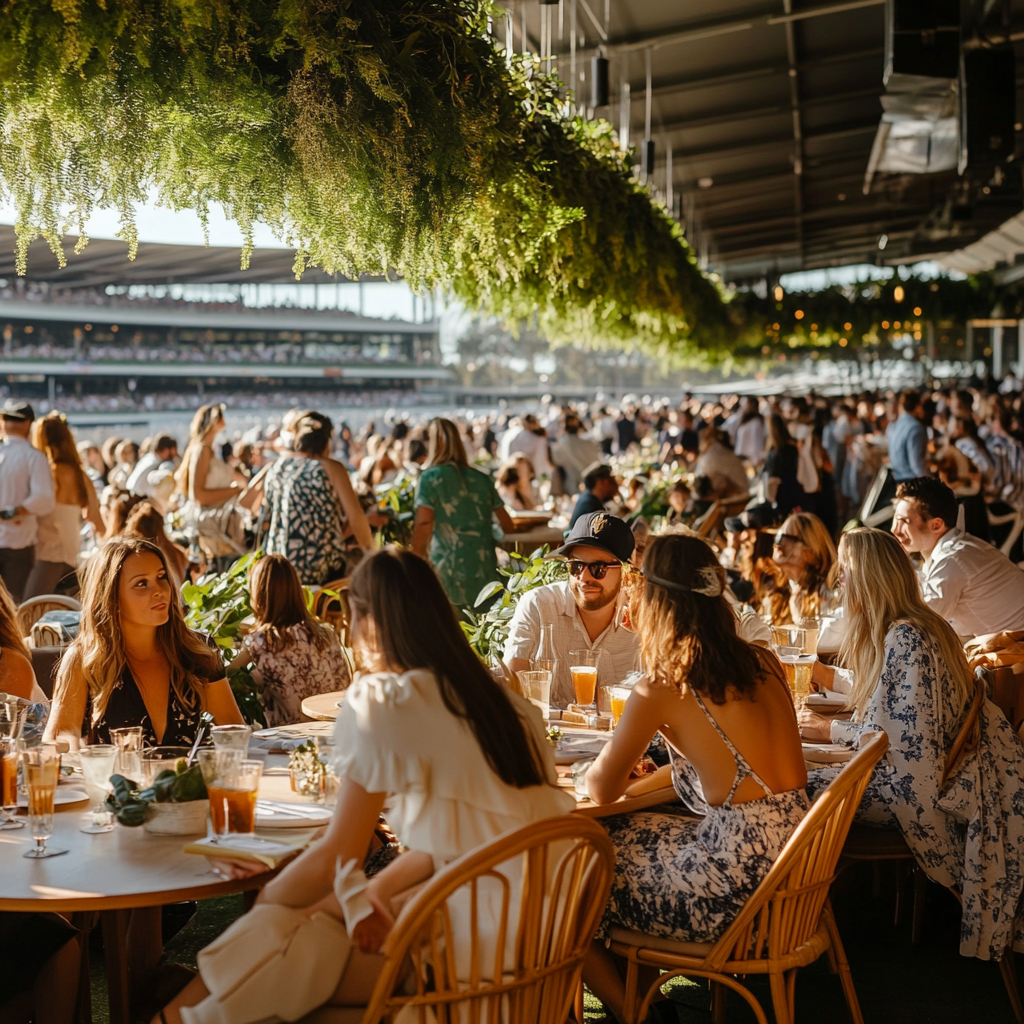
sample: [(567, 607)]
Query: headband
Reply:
[(706, 581)]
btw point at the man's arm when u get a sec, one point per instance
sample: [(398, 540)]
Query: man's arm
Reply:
[(523, 634), (943, 587), (40, 498)]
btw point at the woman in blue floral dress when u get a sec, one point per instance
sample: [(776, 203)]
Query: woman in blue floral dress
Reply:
[(911, 680), (454, 508), (724, 705)]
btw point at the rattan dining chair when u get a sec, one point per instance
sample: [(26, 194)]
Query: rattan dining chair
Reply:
[(876, 845), (32, 610), (566, 875), (331, 606), (786, 924)]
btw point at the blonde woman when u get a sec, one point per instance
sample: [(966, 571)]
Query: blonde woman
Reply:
[(455, 505), (134, 661), (804, 551), (911, 680), (724, 706), (60, 531)]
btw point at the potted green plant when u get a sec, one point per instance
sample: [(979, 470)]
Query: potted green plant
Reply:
[(175, 805)]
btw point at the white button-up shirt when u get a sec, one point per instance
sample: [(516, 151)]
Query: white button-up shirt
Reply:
[(973, 585), (25, 480), (554, 605)]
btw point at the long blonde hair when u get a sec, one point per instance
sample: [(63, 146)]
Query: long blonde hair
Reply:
[(206, 416), (97, 652), (53, 437), (444, 444), (10, 628), (879, 591)]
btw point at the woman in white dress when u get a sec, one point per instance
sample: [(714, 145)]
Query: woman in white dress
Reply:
[(59, 535), (457, 760)]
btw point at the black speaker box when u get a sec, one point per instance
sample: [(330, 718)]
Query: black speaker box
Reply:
[(988, 104), (923, 38)]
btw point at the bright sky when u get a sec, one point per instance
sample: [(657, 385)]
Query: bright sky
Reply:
[(158, 224)]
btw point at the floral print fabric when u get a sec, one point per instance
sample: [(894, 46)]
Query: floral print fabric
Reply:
[(294, 672), (462, 545), (968, 836), (306, 522)]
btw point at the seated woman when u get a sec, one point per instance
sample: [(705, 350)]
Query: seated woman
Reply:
[(911, 680), (17, 676), (134, 661), (293, 656), (458, 759), (805, 553), (724, 705)]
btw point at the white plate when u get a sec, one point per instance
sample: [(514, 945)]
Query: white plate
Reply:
[(281, 814), (61, 795), (826, 753)]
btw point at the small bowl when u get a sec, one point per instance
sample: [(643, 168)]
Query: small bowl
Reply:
[(170, 819)]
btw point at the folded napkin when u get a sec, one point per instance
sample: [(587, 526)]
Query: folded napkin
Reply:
[(272, 741)]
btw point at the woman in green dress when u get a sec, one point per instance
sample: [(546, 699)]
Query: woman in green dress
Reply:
[(454, 507)]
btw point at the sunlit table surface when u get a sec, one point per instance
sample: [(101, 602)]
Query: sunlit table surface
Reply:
[(323, 707)]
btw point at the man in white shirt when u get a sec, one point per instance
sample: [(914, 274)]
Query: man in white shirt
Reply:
[(585, 611), (521, 438), (26, 491), (153, 467), (971, 584)]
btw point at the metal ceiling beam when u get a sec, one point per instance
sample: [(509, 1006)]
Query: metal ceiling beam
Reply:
[(689, 32), (838, 132), (798, 130)]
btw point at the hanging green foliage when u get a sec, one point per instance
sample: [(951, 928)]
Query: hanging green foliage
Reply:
[(375, 136), (846, 319)]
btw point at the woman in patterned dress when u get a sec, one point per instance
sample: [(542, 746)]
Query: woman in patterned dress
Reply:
[(724, 705), (311, 506), (911, 680), (293, 656), (454, 508)]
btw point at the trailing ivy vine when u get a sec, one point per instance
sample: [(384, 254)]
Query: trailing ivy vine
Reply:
[(375, 136)]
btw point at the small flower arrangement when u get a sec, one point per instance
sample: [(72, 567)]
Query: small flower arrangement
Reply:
[(308, 770)]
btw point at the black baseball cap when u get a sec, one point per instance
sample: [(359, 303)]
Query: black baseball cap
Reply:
[(601, 530), (13, 409)]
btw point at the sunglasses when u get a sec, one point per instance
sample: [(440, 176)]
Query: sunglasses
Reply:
[(780, 537), (597, 569)]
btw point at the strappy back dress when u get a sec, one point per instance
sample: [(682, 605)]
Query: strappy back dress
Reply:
[(687, 879)]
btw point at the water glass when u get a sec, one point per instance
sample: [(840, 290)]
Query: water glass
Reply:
[(42, 767), (583, 669), (158, 759), (537, 689), (232, 737), (129, 751), (97, 767), (10, 755)]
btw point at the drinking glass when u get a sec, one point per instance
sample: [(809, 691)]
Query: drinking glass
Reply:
[(232, 783), (620, 694), (9, 757), (97, 767), (798, 669), (583, 669), (158, 759), (537, 689), (232, 737), (42, 766), (129, 751)]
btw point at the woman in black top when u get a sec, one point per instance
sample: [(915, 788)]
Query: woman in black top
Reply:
[(134, 661), (783, 489)]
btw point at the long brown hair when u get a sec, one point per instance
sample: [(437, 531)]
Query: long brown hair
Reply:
[(10, 628), (821, 556), (688, 637), (53, 437), (206, 416), (278, 604), (881, 590), (416, 628), (444, 444), (97, 652)]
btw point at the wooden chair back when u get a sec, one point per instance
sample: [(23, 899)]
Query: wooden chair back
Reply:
[(331, 605), (970, 732), (785, 910), (32, 610), (566, 874), (708, 523), (1006, 690)]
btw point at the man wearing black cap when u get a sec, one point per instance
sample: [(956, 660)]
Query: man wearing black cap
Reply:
[(599, 486), (584, 612), (26, 491)]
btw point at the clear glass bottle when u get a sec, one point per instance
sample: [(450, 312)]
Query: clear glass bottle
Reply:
[(545, 659)]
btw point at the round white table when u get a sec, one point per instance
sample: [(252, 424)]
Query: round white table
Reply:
[(323, 707)]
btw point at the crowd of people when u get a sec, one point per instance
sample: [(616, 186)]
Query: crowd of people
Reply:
[(691, 533)]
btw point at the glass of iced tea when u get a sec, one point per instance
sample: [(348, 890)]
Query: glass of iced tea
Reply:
[(9, 757), (232, 784), (583, 669), (42, 767)]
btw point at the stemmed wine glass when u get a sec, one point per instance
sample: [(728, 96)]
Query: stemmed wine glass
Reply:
[(97, 767)]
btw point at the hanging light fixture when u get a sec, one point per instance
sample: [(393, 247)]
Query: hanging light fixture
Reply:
[(599, 82)]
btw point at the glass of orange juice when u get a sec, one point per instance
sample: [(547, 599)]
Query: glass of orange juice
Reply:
[(583, 669), (232, 783), (620, 694), (9, 758), (42, 767)]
